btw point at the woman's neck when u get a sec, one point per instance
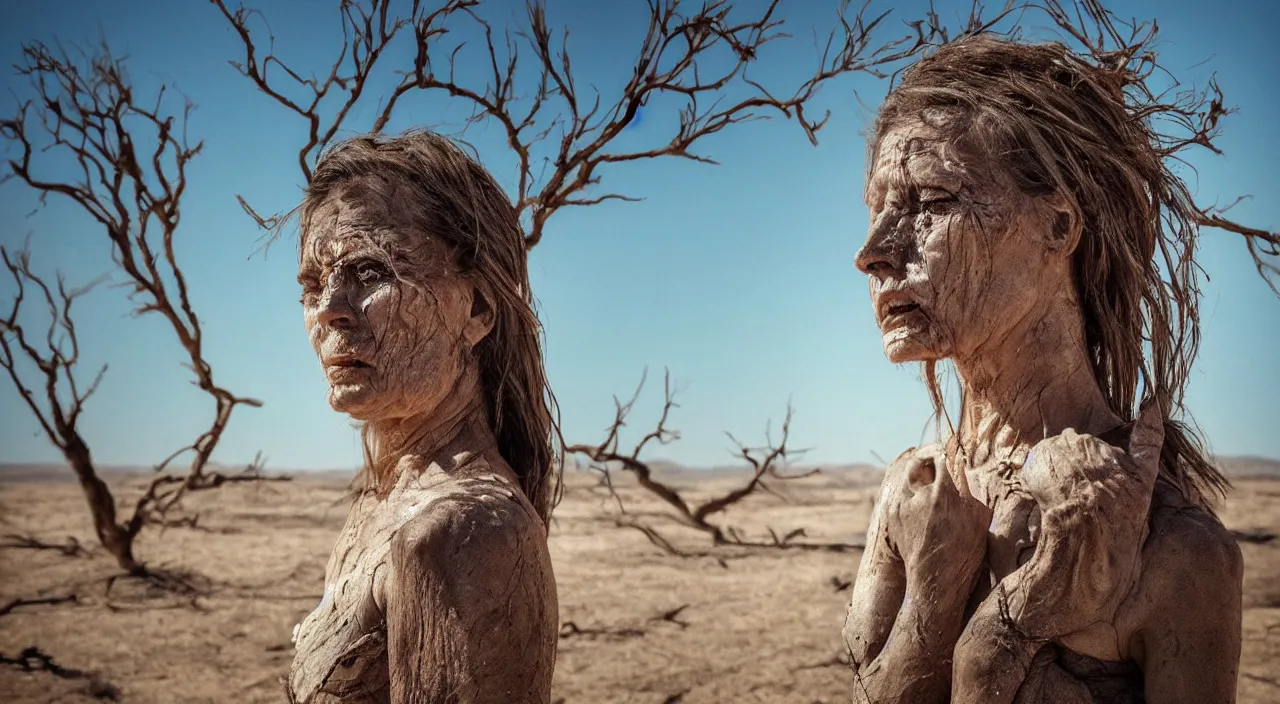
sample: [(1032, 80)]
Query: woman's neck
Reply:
[(1032, 383), (445, 436)]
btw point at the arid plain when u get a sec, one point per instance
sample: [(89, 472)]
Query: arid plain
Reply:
[(638, 625)]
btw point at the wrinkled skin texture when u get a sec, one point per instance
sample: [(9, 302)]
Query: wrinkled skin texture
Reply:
[(394, 302), (440, 587), (1034, 558)]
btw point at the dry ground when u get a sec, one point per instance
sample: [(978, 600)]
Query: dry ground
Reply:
[(762, 627)]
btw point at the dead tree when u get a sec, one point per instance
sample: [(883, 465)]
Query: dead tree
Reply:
[(695, 60), (766, 464), (697, 56), (129, 160), (562, 136)]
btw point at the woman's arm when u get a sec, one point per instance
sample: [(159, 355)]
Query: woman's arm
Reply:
[(471, 605), (1094, 502), (908, 602), (878, 589)]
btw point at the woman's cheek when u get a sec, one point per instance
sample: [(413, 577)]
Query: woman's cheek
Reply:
[(311, 321), (379, 307)]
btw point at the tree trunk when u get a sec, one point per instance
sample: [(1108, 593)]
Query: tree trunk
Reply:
[(102, 504)]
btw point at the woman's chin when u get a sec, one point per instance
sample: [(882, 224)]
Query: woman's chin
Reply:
[(352, 401), (901, 349)]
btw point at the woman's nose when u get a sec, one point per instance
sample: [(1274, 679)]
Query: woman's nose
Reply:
[(882, 253), (335, 310)]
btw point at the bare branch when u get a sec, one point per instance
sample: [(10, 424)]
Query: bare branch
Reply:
[(607, 451), (13, 604), (673, 616), (70, 548), (55, 361), (693, 56), (768, 461), (570, 629), (130, 160), (32, 659)]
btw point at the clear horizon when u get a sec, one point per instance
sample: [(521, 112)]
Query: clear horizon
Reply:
[(656, 462), (737, 277)]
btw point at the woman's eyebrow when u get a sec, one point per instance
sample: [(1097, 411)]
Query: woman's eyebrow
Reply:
[(935, 176)]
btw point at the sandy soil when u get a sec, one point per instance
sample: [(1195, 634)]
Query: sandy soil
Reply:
[(758, 627)]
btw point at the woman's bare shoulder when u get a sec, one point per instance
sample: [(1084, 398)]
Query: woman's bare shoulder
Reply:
[(1187, 537), (479, 510), (1192, 574)]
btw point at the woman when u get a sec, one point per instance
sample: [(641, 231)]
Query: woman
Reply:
[(1052, 549), (416, 299)]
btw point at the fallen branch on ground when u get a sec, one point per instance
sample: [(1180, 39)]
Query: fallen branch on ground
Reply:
[(673, 616), (33, 659), (569, 629), (71, 548), (186, 586), (1265, 680), (38, 601), (840, 659), (1257, 536), (766, 465)]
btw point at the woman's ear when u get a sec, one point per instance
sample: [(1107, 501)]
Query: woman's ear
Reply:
[(480, 321), (1063, 235)]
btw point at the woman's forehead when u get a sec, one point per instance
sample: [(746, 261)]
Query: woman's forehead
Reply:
[(916, 152), (363, 221), (363, 207)]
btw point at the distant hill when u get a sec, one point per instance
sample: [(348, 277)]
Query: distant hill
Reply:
[(1235, 467), (1246, 467), (16, 472), (1241, 467)]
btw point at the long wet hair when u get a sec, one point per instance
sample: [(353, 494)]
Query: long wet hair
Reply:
[(455, 198), (1064, 124)]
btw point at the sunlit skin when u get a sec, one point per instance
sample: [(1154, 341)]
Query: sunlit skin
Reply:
[(1018, 561), (440, 584)]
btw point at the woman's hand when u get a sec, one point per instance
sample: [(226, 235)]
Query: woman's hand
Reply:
[(925, 545), (940, 529), (1094, 503)]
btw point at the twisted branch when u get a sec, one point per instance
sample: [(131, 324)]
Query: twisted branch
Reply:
[(767, 462), (694, 57), (129, 175)]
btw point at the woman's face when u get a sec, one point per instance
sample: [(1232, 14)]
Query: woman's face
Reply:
[(957, 255), (386, 311)]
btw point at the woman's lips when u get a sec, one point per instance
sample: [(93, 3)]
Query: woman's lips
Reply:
[(345, 368), (896, 307)]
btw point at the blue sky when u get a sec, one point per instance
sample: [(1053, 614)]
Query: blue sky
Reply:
[(737, 277)]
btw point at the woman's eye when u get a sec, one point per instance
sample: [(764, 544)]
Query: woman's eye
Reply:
[(938, 206), (370, 272), (936, 202)]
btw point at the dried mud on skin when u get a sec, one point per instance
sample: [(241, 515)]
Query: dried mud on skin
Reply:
[(763, 628)]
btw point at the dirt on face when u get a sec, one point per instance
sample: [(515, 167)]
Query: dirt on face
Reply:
[(386, 310), (954, 255)]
